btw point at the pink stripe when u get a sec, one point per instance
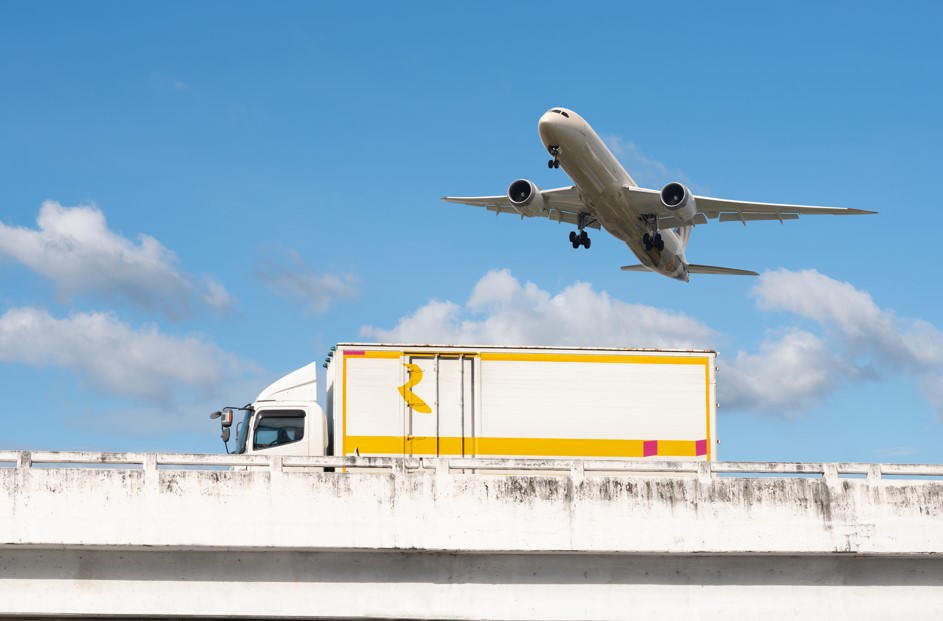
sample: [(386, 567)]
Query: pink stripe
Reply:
[(354, 352), (649, 448), (700, 447)]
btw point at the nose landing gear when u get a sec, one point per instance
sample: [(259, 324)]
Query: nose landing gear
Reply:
[(555, 162)]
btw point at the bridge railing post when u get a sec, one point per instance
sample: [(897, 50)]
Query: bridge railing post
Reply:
[(577, 472), (24, 459), (151, 474), (443, 467), (399, 466), (704, 473)]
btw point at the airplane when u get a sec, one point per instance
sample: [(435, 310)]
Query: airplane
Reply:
[(655, 225)]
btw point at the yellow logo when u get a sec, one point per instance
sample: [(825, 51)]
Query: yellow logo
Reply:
[(415, 376)]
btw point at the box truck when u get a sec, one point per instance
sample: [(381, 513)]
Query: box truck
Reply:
[(488, 401)]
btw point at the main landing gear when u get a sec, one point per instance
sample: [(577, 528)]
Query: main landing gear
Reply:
[(653, 241), (580, 239), (555, 162)]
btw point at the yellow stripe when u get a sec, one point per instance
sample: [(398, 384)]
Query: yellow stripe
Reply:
[(678, 448), (707, 408), (370, 353), (535, 357), (544, 447), (380, 354), (629, 359), (344, 409)]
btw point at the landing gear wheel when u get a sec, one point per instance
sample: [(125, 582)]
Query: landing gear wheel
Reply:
[(647, 241), (658, 242), (556, 163), (576, 243), (572, 236), (550, 164), (587, 242)]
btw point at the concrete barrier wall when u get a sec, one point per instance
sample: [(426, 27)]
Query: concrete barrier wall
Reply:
[(432, 510), (576, 540)]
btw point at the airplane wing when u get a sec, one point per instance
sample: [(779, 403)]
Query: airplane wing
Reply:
[(648, 201), (562, 205)]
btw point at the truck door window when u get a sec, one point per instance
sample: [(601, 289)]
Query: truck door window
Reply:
[(278, 427)]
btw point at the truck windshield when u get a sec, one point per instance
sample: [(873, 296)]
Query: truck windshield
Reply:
[(242, 432)]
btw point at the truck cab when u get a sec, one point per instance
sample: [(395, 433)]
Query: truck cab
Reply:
[(285, 419)]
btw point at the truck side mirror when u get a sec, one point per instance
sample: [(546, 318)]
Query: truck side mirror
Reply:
[(225, 434)]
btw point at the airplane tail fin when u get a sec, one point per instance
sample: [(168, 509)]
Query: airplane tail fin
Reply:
[(693, 268)]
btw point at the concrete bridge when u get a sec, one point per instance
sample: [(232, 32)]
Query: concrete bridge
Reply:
[(159, 535)]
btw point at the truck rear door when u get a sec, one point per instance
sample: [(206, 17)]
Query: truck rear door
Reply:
[(438, 403)]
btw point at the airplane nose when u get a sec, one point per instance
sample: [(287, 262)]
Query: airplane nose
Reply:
[(549, 119), (548, 124)]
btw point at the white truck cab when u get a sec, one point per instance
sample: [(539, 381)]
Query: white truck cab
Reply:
[(285, 419)]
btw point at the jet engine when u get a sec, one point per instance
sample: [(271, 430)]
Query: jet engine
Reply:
[(526, 198), (679, 201)]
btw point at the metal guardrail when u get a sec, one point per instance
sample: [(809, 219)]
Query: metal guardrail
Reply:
[(447, 465)]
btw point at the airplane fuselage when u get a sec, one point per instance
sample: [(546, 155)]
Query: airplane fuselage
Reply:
[(601, 181)]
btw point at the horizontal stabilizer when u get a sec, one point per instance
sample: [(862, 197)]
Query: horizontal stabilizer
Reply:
[(710, 269), (634, 268)]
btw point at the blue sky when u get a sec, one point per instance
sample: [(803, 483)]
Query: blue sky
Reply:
[(200, 197)]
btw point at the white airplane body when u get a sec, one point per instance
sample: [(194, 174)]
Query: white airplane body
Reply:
[(655, 225)]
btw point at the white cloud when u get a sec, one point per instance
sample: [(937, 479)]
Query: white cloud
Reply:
[(789, 374), (501, 310), (115, 358), (852, 318), (216, 296), (296, 281), (860, 341), (74, 248)]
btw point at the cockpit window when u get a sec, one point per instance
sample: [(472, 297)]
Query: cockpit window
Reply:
[(561, 112)]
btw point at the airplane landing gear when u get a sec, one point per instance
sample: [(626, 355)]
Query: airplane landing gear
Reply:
[(653, 241), (653, 238), (580, 239), (555, 162)]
